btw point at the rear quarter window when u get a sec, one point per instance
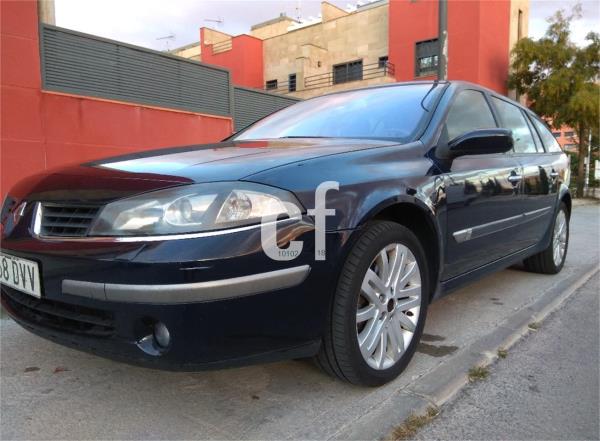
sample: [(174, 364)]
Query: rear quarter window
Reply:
[(548, 138), (513, 119)]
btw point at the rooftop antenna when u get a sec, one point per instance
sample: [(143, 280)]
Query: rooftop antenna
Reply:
[(166, 38), (219, 21), (299, 10)]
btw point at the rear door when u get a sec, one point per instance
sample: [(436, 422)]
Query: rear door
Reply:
[(483, 193), (539, 175), (555, 165)]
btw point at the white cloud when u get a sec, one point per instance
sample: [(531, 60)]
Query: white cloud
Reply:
[(141, 22), (541, 10)]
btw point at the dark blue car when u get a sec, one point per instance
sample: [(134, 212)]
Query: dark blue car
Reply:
[(323, 230)]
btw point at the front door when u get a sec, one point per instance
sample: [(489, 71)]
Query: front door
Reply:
[(483, 194)]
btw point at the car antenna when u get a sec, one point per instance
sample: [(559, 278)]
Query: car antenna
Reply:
[(433, 86)]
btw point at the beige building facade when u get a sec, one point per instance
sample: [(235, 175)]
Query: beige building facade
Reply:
[(369, 43), (335, 53), (190, 51)]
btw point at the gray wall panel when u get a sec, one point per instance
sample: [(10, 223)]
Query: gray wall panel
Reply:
[(84, 64), (88, 65), (252, 105)]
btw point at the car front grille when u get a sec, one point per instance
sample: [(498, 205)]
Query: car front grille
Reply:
[(67, 220), (57, 315), (7, 208)]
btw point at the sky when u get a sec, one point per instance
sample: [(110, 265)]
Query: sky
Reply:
[(147, 22)]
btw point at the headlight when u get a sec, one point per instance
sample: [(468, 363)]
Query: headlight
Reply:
[(193, 208)]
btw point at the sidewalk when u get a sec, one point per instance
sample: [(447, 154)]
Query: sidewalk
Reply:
[(546, 388)]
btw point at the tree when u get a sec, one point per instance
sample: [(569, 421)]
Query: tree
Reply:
[(561, 79)]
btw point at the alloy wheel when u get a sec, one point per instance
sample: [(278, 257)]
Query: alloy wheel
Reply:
[(388, 306), (559, 241)]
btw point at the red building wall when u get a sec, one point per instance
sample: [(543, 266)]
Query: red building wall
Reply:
[(244, 59), (409, 22), (41, 129), (494, 46), (478, 39)]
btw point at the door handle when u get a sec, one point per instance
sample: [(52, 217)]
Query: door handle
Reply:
[(515, 178)]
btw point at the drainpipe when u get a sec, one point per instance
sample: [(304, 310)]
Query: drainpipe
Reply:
[(443, 40)]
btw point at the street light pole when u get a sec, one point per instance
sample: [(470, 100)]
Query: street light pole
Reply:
[(443, 40), (588, 164)]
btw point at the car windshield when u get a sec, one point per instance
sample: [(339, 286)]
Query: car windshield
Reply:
[(380, 113)]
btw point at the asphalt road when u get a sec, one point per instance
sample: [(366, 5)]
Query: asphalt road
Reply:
[(546, 388), (51, 392)]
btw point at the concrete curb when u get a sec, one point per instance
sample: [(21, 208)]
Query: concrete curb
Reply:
[(441, 384)]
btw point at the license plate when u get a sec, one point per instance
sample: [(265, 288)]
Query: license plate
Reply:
[(20, 274)]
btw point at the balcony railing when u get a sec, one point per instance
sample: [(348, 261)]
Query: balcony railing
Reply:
[(367, 72), (327, 79), (222, 46), (282, 87)]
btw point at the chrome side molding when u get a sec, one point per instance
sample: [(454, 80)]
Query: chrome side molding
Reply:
[(189, 292), (499, 225)]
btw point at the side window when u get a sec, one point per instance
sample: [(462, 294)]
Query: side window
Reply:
[(469, 111), (548, 138), (513, 119), (538, 142)]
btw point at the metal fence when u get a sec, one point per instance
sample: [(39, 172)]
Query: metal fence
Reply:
[(252, 105), (83, 64), (368, 71), (282, 87)]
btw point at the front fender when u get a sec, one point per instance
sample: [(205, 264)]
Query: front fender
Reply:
[(369, 181)]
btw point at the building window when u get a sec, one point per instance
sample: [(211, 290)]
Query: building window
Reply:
[(571, 147), (352, 71), (569, 134), (382, 62), (292, 82), (556, 134), (520, 25), (426, 57), (271, 85)]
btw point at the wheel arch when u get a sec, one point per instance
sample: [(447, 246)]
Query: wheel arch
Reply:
[(422, 223), (565, 196)]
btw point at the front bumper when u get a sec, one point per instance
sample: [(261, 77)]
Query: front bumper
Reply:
[(189, 292), (222, 299)]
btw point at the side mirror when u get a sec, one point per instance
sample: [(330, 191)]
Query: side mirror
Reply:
[(481, 142)]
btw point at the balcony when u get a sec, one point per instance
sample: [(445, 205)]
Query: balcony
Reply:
[(222, 46), (340, 74)]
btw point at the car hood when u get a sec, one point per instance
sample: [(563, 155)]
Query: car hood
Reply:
[(121, 176), (229, 160)]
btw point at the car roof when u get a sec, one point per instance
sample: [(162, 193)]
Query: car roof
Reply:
[(458, 83)]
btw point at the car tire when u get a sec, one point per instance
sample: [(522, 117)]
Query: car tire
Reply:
[(552, 259), (387, 314)]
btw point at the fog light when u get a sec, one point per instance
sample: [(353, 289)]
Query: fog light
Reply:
[(161, 335)]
